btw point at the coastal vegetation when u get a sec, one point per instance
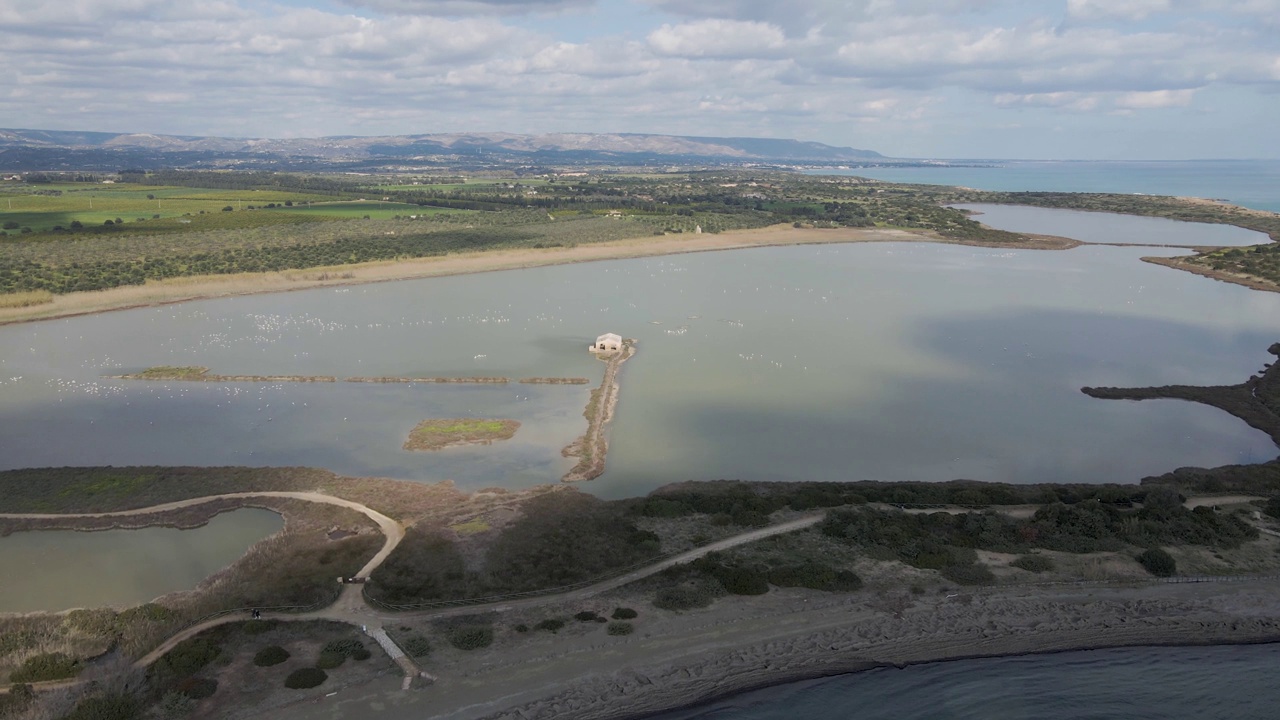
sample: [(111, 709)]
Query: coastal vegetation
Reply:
[(443, 433), (1255, 401), (183, 224), (560, 538)]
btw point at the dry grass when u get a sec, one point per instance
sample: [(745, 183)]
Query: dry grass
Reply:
[(26, 299)]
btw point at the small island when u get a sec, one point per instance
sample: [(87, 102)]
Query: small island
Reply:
[(439, 434)]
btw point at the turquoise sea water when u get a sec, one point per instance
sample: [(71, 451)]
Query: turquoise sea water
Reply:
[(1252, 183)]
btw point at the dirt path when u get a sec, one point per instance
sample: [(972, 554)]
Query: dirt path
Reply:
[(351, 608), (606, 585)]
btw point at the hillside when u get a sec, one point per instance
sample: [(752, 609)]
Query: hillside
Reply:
[(56, 149)]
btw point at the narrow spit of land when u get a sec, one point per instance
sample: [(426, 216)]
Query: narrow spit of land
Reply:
[(196, 373), (463, 263), (591, 448), (1255, 401)]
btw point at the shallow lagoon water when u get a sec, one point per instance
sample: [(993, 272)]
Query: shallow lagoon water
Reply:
[(60, 569), (1099, 227), (878, 361)]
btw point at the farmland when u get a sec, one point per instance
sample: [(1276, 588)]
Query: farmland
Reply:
[(78, 233)]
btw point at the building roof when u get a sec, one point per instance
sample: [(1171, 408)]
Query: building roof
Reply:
[(609, 336)]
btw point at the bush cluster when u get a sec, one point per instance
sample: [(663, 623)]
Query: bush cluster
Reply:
[(621, 628), (1033, 563), (48, 666), (1158, 562), (470, 637), (551, 625), (417, 646), (623, 613), (305, 678), (270, 655)]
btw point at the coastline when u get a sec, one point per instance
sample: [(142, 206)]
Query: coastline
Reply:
[(680, 660), (1179, 263), (219, 286)]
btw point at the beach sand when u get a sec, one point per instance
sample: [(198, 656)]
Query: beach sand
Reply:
[(211, 286), (677, 659)]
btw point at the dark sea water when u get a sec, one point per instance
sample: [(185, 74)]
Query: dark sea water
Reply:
[(1251, 183), (1194, 683)]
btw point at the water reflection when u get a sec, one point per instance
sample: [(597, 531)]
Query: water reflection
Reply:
[(885, 361)]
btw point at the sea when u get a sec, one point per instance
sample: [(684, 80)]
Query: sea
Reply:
[(1251, 183), (1157, 683)]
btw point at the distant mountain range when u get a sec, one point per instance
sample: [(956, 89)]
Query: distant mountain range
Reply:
[(59, 149)]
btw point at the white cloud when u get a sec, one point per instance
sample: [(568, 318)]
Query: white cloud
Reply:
[(718, 39), (1125, 9), (469, 7), (755, 66), (1155, 99), (1074, 101)]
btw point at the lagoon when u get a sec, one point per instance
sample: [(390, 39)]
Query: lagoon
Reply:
[(893, 361), (1100, 227), (52, 570)]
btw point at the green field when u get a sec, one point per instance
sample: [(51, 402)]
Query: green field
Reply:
[(44, 207), (374, 209)]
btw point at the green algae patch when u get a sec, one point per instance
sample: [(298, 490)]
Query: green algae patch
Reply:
[(438, 434), (170, 372)]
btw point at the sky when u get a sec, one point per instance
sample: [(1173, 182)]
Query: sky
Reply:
[(1044, 79)]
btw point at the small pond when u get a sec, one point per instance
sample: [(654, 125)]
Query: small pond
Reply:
[(60, 569)]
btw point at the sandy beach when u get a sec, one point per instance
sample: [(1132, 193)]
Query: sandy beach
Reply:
[(676, 659), (213, 286)]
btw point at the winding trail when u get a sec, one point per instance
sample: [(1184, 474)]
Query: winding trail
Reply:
[(351, 607)]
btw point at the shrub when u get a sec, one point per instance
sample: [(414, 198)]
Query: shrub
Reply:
[(685, 597), (1273, 507), (257, 627), (742, 581), (417, 646), (1158, 562), (347, 648), (197, 688), (186, 659), (586, 616), (49, 666), (304, 678), (522, 628), (106, 707), (175, 705), (329, 659), (624, 613), (971, 574), (621, 628), (471, 637), (1033, 563), (270, 655), (815, 576), (550, 624)]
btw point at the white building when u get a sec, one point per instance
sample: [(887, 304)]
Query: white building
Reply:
[(609, 342)]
